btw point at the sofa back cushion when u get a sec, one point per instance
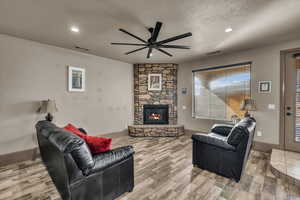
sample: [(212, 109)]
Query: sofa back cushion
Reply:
[(67, 142), (241, 131)]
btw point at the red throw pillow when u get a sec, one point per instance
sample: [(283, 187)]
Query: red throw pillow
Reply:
[(75, 130), (96, 144)]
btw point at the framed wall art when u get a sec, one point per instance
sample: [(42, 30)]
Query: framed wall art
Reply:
[(76, 77), (264, 86), (154, 82)]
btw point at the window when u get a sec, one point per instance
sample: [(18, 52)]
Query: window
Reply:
[(219, 91)]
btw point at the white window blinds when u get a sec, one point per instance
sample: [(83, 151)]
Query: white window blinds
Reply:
[(219, 91)]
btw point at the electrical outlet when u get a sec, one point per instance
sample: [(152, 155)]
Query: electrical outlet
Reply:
[(271, 106), (259, 133)]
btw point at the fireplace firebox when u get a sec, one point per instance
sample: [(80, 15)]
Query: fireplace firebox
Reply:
[(156, 114)]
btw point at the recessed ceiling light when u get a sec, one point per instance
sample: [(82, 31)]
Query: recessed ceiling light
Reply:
[(151, 54), (227, 30), (75, 29)]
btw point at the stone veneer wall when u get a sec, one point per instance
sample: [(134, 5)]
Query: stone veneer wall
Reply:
[(168, 94)]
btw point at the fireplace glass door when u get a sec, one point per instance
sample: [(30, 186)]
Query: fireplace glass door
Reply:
[(156, 114)]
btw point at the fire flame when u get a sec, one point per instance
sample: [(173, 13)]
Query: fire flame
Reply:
[(154, 116)]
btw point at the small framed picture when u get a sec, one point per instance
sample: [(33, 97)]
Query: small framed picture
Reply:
[(264, 86), (76, 79), (154, 82)]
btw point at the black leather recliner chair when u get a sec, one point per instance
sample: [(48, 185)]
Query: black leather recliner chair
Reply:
[(79, 175), (226, 149)]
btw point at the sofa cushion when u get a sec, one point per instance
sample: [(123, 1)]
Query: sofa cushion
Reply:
[(240, 131), (67, 142), (109, 158), (236, 136), (64, 140), (45, 127)]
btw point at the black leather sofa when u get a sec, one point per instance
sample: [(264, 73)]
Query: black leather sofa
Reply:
[(79, 175), (226, 149)]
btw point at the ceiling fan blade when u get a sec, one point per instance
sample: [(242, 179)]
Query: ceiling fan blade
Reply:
[(174, 38), (149, 52), (163, 51), (174, 46), (136, 37), (135, 50), (156, 31), (131, 44)]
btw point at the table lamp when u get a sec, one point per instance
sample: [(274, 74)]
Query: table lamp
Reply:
[(49, 107), (248, 105)]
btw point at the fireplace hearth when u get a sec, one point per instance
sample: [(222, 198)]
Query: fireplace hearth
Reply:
[(156, 114)]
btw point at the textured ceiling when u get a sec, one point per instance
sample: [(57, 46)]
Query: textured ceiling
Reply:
[(254, 23)]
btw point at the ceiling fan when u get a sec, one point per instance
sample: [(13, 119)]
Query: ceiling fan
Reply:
[(152, 42)]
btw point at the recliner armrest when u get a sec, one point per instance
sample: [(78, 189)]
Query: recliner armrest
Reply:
[(109, 158), (213, 140), (221, 129)]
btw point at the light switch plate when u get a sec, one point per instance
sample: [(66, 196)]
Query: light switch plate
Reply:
[(259, 133), (271, 106)]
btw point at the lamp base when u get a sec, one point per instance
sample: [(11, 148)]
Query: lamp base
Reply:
[(49, 117), (247, 114)]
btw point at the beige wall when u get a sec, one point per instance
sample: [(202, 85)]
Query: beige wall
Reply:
[(30, 72), (266, 66)]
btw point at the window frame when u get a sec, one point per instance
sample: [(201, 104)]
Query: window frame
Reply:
[(213, 68)]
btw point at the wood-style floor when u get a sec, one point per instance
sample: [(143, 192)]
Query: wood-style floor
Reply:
[(163, 170)]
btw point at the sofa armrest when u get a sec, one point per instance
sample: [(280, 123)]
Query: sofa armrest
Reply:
[(109, 158), (213, 140), (221, 129)]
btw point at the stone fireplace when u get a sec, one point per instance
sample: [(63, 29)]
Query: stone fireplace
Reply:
[(155, 112), (166, 96)]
